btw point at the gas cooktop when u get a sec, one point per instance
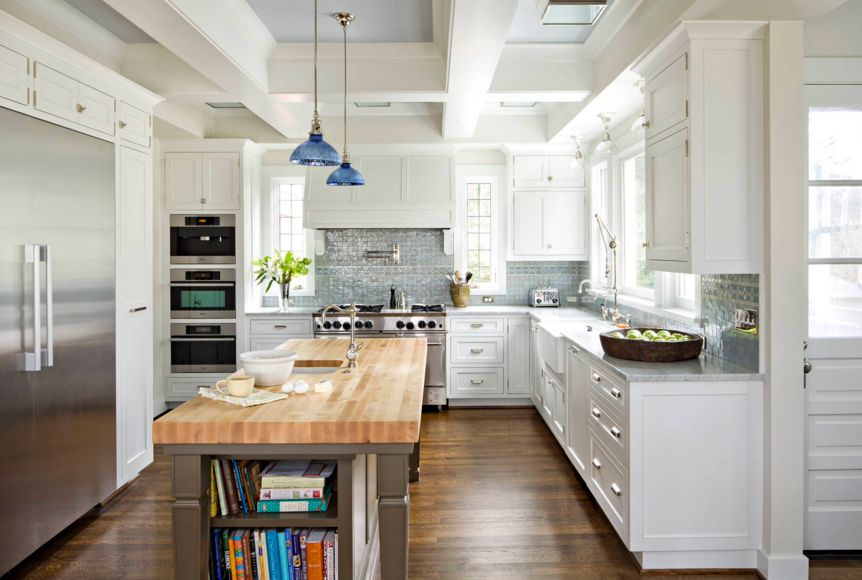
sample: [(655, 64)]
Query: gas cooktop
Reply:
[(373, 319), (359, 308)]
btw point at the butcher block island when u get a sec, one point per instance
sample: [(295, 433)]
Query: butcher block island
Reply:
[(367, 424)]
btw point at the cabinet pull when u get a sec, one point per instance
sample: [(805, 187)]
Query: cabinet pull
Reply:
[(550, 178), (121, 124), (573, 350), (615, 489), (477, 381), (616, 432), (477, 350), (597, 377), (280, 326), (203, 200), (596, 463), (138, 309), (687, 240), (550, 246), (616, 393), (477, 325), (596, 413), (80, 108), (645, 244)]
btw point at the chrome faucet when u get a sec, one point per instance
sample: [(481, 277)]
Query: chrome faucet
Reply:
[(352, 351)]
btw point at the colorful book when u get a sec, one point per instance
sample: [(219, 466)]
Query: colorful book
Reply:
[(294, 505), (254, 478), (220, 487), (281, 538), (264, 560), (303, 536), (247, 489), (329, 569), (314, 553), (254, 562), (296, 473), (213, 492), (238, 483), (291, 493), (239, 555), (225, 546), (297, 554), (247, 548), (273, 553), (233, 504)]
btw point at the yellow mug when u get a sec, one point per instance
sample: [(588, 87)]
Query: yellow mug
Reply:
[(239, 386)]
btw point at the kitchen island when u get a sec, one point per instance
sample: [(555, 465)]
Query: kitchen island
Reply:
[(368, 423)]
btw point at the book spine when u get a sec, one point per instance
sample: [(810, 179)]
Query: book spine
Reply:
[(230, 488), (275, 481), (215, 555), (225, 547), (291, 493), (290, 506), (220, 487), (302, 548), (238, 481), (246, 549), (255, 561), (335, 550), (281, 539), (272, 551), (239, 556), (213, 492), (314, 553), (246, 485), (264, 560), (297, 555)]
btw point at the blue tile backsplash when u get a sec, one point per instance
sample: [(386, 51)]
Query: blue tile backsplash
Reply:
[(344, 274)]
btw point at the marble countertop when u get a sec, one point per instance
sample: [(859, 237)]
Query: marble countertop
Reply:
[(275, 311)]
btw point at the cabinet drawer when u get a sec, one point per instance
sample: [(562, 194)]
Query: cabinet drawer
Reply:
[(612, 432), (477, 325), (473, 382), (133, 124), (287, 327), (666, 98), (609, 483), (185, 389), (14, 76), (612, 390), (475, 350), (95, 109), (55, 93)]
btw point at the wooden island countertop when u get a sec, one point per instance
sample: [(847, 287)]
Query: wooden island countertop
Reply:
[(379, 402)]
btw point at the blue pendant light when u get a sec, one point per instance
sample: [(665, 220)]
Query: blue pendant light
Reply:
[(345, 175), (315, 151)]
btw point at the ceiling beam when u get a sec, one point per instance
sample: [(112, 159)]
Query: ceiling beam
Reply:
[(477, 35)]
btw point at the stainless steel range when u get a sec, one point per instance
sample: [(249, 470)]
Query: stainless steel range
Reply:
[(424, 320)]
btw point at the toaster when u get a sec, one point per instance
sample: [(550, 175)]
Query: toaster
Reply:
[(544, 296)]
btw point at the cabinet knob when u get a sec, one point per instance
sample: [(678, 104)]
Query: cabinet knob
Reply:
[(80, 108), (616, 432), (597, 377), (596, 413), (121, 124), (550, 178), (596, 463), (550, 246), (645, 244), (573, 350), (615, 489), (203, 200), (616, 393)]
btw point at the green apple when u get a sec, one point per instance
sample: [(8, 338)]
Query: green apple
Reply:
[(633, 333), (664, 333), (659, 339), (616, 335), (671, 339), (650, 333)]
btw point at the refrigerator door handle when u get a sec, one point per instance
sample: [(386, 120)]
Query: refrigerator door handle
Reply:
[(33, 360), (48, 353)]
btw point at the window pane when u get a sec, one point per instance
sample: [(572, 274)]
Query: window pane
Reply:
[(835, 300), (835, 143), (634, 223), (685, 286), (835, 222)]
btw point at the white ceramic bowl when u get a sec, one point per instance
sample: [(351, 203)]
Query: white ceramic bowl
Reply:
[(268, 367)]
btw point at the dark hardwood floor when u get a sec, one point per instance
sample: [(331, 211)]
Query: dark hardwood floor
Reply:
[(497, 499)]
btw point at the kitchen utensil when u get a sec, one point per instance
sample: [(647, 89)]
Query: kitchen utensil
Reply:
[(649, 351), (239, 386), (268, 367), (392, 297), (460, 294), (469, 277), (457, 276)]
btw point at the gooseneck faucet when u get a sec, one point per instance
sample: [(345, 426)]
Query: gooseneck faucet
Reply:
[(352, 351), (611, 242)]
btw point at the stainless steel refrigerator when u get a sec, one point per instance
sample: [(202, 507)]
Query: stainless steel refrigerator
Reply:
[(57, 330)]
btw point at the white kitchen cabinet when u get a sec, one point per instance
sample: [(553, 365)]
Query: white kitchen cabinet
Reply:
[(536, 365), (704, 149), (400, 191), (549, 224), (134, 125), (561, 413), (577, 440), (476, 382), (134, 312), (14, 76), (266, 333), (547, 171), (65, 97), (518, 356), (196, 181)]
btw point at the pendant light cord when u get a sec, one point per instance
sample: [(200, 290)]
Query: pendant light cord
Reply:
[(315, 121), (345, 156)]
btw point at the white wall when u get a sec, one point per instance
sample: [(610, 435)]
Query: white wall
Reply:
[(838, 33), (480, 157)]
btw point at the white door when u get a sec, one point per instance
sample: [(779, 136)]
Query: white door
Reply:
[(528, 223), (668, 199), (530, 170), (565, 219), (577, 439), (221, 180), (566, 171), (14, 76), (183, 181), (135, 313), (518, 356), (834, 385), (666, 98)]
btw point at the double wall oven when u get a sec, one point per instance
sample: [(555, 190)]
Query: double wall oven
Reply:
[(199, 293), (203, 347), (203, 239)]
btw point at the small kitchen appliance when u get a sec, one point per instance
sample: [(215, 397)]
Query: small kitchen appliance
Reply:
[(544, 297)]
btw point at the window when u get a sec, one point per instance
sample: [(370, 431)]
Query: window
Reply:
[(835, 221), (479, 245), (619, 197), (289, 233)]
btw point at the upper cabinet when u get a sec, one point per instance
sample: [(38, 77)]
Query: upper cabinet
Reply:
[(202, 181), (14, 76), (704, 149), (134, 125), (549, 225), (547, 171), (400, 191), (63, 96)]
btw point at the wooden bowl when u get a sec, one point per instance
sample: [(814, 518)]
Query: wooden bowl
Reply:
[(649, 351)]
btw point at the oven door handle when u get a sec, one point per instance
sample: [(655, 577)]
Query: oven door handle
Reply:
[(208, 284), (204, 339)]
